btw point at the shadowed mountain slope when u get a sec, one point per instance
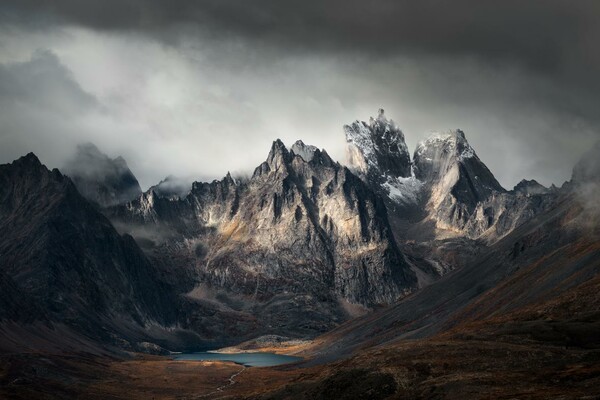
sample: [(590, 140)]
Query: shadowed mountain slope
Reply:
[(66, 268)]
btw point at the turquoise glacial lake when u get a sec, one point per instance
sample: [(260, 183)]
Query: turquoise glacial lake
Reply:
[(246, 359)]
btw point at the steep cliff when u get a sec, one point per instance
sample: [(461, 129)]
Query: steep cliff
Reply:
[(377, 152), (445, 192), (303, 230)]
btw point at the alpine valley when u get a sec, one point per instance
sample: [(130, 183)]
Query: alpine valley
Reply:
[(393, 275)]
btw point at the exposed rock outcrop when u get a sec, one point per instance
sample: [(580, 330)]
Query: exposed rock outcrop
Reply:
[(445, 192), (464, 197), (302, 230), (377, 152), (295, 226)]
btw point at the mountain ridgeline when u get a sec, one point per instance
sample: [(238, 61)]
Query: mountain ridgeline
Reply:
[(300, 246), (296, 249), (446, 191)]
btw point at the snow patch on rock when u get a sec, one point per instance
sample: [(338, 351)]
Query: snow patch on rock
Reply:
[(403, 190), (306, 151), (453, 142)]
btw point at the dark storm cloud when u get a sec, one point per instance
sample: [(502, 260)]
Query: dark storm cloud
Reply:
[(220, 79), (555, 38), (40, 103), (549, 35), (42, 82)]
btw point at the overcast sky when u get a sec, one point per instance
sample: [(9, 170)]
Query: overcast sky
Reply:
[(199, 88)]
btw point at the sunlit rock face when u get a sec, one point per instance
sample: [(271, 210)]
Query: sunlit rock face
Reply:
[(446, 184), (377, 152), (331, 221), (302, 228), (463, 196), (456, 182)]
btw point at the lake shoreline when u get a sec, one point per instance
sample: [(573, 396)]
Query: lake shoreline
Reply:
[(246, 359)]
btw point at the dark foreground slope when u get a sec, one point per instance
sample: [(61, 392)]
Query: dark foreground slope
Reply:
[(69, 280), (556, 247), (537, 348)]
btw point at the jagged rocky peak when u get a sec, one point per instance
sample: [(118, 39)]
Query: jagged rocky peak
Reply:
[(450, 158), (463, 196), (530, 187), (29, 162), (277, 160), (280, 159), (435, 155), (101, 179), (30, 174), (377, 148), (297, 226), (29, 159), (306, 151), (311, 154), (278, 153)]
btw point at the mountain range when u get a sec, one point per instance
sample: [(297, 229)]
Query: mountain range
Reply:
[(365, 255)]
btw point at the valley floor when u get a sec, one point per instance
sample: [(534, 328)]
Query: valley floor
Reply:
[(445, 367)]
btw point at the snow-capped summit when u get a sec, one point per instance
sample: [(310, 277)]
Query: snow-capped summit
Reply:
[(436, 154), (377, 151), (446, 184), (377, 147), (449, 163)]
